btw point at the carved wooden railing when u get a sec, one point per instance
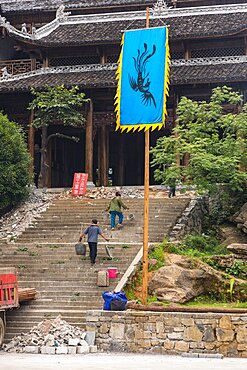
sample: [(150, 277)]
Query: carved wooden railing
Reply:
[(16, 67)]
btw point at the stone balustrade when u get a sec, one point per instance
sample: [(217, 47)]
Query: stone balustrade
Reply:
[(170, 333)]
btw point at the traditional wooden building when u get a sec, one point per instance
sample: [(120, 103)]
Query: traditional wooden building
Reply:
[(78, 42)]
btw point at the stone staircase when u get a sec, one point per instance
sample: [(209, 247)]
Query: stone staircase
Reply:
[(45, 258)]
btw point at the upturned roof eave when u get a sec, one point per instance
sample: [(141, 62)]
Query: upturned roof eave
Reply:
[(46, 35)]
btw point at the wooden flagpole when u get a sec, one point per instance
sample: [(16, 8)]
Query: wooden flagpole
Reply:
[(146, 208)]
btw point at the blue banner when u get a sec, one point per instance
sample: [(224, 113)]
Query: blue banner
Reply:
[(143, 79)]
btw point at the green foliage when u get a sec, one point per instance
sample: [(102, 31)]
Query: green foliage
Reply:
[(231, 286), (200, 246), (14, 164), (212, 300), (238, 268), (58, 105), (157, 253), (204, 243), (130, 294), (215, 141)]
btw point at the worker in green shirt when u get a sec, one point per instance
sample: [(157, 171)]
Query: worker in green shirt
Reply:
[(115, 208)]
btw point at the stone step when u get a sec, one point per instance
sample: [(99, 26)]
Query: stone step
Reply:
[(65, 282)]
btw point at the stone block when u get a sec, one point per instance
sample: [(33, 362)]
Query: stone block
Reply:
[(82, 350), (210, 346), (83, 343), (62, 350), (242, 334), (228, 349), (196, 345), (103, 328), (190, 354), (181, 346), (242, 347), (72, 350), (90, 338), (147, 335), (192, 333), (32, 349), (159, 327), (48, 350), (224, 335), (93, 349), (144, 343), (225, 322), (188, 322), (176, 335), (208, 335), (74, 341), (178, 329), (168, 344), (117, 331), (211, 355)]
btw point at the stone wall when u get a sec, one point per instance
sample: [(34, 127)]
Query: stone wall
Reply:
[(170, 333), (191, 220)]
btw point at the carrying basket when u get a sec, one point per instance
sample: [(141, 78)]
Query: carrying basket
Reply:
[(80, 249)]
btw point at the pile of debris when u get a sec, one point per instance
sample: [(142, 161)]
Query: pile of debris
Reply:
[(110, 192), (15, 222), (155, 191), (53, 337)]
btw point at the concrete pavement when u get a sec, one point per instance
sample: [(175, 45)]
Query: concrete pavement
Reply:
[(9, 361)]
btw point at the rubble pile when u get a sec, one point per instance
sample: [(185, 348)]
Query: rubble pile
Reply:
[(110, 192), (155, 191), (15, 222), (53, 337)]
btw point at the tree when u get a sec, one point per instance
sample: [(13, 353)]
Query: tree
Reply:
[(56, 105), (214, 140), (14, 164)]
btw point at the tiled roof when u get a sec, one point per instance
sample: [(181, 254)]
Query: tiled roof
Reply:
[(225, 72), (187, 23), (12, 6), (197, 26)]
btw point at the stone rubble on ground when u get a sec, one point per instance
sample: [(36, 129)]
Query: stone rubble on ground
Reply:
[(155, 191), (54, 336), (17, 220)]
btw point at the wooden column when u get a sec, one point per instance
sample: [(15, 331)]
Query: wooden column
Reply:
[(120, 175), (89, 142), (245, 45), (103, 165), (186, 51)]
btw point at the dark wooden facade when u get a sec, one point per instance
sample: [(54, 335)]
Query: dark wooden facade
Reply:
[(208, 48)]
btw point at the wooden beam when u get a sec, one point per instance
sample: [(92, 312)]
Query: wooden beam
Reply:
[(89, 142), (102, 156), (103, 170), (120, 174)]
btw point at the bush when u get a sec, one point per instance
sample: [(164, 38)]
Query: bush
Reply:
[(196, 246), (14, 164)]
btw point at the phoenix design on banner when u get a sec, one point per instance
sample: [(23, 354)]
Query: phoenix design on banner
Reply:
[(142, 82)]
